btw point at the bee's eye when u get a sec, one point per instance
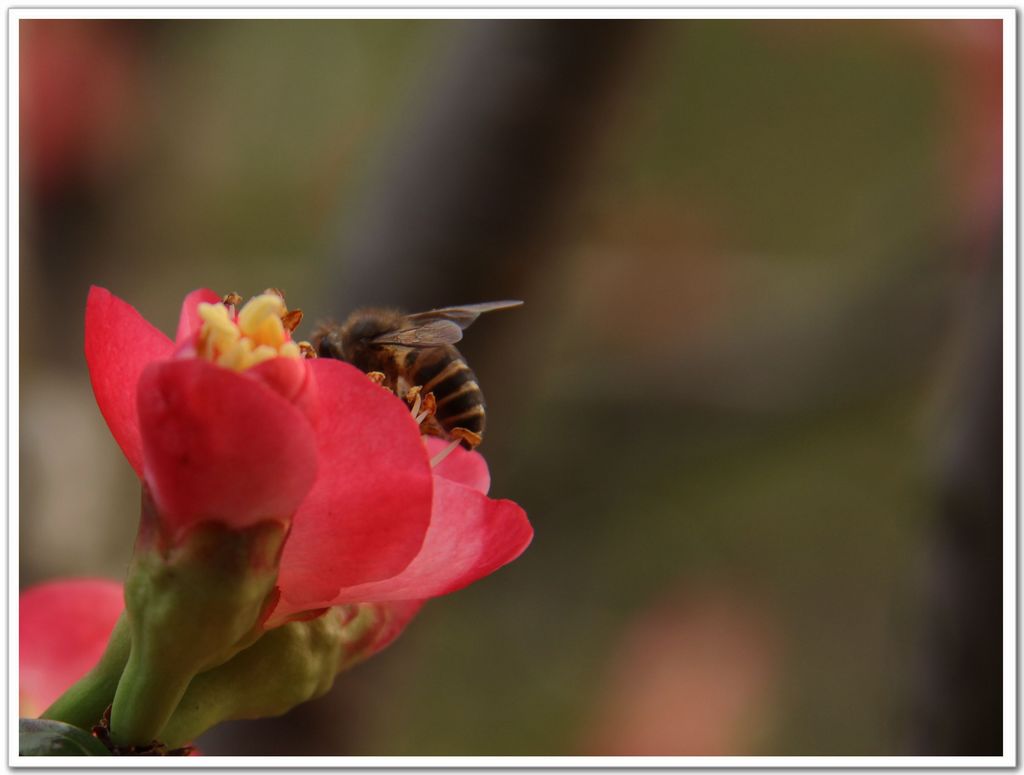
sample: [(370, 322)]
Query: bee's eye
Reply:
[(324, 349)]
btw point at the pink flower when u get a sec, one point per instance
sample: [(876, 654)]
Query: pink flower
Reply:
[(310, 441), (63, 628)]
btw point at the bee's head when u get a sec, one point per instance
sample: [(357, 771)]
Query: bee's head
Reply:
[(326, 340), (351, 341)]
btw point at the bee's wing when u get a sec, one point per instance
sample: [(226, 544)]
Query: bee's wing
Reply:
[(439, 326), (430, 333), (462, 316)]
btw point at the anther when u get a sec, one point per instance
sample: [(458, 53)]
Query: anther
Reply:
[(290, 320), (275, 291), (306, 350), (231, 300), (471, 439), (428, 406)]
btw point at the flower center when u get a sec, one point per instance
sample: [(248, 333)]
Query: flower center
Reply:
[(256, 334)]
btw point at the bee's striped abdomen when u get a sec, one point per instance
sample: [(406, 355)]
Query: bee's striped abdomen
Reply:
[(460, 402)]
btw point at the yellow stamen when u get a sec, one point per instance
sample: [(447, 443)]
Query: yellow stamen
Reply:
[(238, 357), (256, 335), (260, 319), (263, 352)]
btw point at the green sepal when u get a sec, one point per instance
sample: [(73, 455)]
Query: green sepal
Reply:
[(193, 603), (45, 737), (359, 637)]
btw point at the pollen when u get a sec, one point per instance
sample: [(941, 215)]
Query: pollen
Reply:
[(260, 320), (254, 335)]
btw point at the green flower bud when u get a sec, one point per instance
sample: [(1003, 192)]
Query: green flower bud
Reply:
[(289, 665)]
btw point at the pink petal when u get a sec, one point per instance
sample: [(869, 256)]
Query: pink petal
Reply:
[(188, 321), (470, 536), (461, 465), (221, 445), (292, 379), (368, 511), (119, 344), (63, 628)]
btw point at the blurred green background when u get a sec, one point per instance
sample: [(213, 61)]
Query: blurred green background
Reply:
[(760, 262)]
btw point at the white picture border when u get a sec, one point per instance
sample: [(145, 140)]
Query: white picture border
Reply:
[(417, 9)]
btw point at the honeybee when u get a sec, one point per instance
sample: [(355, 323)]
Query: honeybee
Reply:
[(416, 353)]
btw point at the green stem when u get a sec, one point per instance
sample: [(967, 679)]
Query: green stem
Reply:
[(145, 699), (84, 703)]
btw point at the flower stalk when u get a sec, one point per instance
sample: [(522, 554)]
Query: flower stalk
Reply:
[(84, 703)]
